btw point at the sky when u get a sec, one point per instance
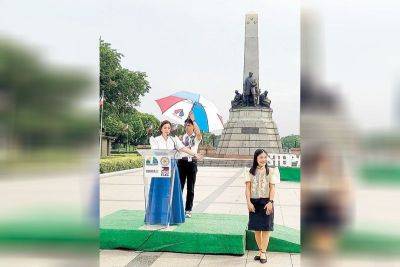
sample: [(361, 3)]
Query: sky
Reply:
[(198, 46)]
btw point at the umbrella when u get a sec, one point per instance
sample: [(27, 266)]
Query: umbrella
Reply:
[(177, 107)]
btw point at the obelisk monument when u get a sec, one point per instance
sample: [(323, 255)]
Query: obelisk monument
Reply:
[(251, 61), (250, 125)]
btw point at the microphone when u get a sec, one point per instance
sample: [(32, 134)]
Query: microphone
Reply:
[(169, 136)]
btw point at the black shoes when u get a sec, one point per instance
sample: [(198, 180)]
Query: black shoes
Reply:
[(264, 260), (258, 258)]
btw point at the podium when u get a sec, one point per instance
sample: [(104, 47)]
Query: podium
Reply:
[(162, 193)]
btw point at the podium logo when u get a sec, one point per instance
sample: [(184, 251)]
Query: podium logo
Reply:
[(151, 161), (165, 171), (164, 161)]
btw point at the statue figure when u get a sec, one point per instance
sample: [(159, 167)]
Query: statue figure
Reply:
[(238, 100), (264, 100), (250, 91)]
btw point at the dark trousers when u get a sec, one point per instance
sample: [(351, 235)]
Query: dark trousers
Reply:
[(187, 172)]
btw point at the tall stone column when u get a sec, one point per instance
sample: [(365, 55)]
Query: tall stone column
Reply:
[(251, 47), (249, 128)]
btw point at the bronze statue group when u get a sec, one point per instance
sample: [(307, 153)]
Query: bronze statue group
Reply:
[(251, 95)]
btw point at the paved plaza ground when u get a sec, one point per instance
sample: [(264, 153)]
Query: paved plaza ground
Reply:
[(218, 190)]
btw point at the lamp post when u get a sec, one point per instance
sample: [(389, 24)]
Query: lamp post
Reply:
[(126, 128)]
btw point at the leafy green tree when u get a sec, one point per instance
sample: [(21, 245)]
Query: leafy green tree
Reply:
[(113, 124), (135, 130), (130, 127), (122, 91), (122, 87), (291, 141), (150, 121), (210, 139), (178, 130)]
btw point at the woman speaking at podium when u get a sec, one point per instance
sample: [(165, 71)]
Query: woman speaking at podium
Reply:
[(159, 186)]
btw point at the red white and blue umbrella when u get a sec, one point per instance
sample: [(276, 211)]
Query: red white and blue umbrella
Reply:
[(177, 107)]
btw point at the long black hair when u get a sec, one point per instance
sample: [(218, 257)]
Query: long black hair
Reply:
[(255, 163)]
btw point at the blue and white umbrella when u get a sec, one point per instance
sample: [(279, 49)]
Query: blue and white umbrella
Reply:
[(177, 107)]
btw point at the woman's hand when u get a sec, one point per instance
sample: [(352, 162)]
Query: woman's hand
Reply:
[(250, 206), (269, 208)]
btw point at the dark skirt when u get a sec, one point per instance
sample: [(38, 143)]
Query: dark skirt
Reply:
[(259, 220)]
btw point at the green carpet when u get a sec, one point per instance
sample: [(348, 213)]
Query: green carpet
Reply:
[(203, 233), (290, 174), (283, 239)]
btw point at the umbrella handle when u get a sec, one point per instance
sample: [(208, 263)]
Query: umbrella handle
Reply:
[(191, 110)]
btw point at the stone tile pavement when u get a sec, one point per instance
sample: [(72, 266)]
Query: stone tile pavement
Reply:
[(218, 190)]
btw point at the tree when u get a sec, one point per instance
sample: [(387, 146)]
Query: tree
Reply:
[(291, 141), (131, 125), (178, 130), (113, 125), (136, 130), (210, 139), (149, 121), (122, 91), (122, 87)]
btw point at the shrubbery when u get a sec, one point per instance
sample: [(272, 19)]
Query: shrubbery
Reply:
[(120, 163)]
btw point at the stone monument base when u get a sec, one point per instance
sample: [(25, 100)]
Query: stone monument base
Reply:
[(248, 129)]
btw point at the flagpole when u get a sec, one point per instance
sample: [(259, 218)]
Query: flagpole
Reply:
[(101, 119)]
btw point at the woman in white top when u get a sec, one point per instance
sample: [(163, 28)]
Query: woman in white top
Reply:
[(166, 141), (260, 192), (159, 192)]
